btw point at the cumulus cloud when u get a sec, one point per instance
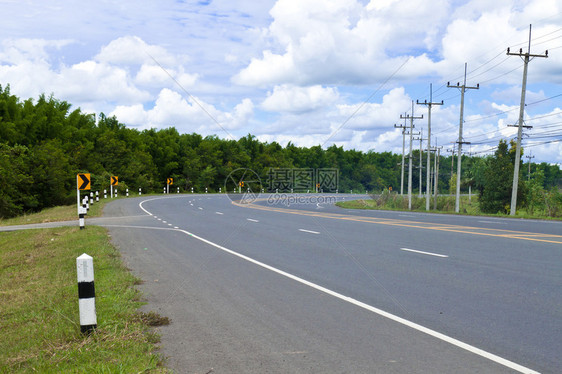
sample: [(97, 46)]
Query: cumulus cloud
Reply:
[(187, 115), (132, 50), (294, 99), (338, 42)]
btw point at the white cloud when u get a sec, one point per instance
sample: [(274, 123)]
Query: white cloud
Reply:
[(132, 50), (294, 99), (173, 110), (342, 42), (17, 51)]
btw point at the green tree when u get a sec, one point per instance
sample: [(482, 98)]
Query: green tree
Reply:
[(498, 181)]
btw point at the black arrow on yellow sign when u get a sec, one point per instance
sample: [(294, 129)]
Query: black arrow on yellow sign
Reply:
[(84, 181), (170, 181), (114, 181)]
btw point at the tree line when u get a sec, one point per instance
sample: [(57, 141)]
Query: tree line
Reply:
[(44, 144)]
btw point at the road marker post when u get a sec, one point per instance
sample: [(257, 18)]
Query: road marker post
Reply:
[(140, 191), (97, 196), (127, 192), (86, 293), (105, 194)]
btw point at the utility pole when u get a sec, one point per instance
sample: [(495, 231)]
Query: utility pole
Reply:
[(529, 157), (436, 177), (452, 157), (429, 105), (403, 146), (526, 58), (411, 118), (463, 88), (421, 166)]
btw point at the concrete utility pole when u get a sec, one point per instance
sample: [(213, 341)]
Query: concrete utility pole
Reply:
[(436, 178), (429, 105), (421, 165), (529, 175), (403, 146), (411, 118), (452, 157), (463, 88), (526, 58)]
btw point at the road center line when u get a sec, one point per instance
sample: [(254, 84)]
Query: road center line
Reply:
[(423, 253), (311, 232), (251, 220)]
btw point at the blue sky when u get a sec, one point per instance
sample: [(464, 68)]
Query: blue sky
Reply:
[(306, 71)]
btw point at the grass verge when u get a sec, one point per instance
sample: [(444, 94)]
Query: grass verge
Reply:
[(445, 205), (39, 318)]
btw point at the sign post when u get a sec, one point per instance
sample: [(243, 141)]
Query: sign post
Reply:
[(82, 183), (113, 182), (169, 182)]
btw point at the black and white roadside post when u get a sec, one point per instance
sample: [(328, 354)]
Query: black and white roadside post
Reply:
[(86, 293), (127, 192), (115, 192), (91, 198), (178, 190), (164, 190), (97, 196), (220, 189), (140, 191), (105, 194), (81, 213), (191, 189), (206, 190)]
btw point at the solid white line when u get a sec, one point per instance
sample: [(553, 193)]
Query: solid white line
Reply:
[(311, 232), (423, 253), (219, 213), (413, 325), (252, 220), (405, 322)]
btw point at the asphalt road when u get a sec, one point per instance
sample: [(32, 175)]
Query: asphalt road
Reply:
[(311, 288)]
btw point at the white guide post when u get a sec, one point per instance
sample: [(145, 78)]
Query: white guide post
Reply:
[(86, 293)]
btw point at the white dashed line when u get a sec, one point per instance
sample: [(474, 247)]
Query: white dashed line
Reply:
[(251, 220), (310, 232), (219, 213), (423, 253)]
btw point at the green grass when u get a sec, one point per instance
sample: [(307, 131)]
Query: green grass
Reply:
[(39, 317), (56, 214), (445, 204)]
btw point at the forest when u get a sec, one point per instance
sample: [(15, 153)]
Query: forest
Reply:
[(44, 143)]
